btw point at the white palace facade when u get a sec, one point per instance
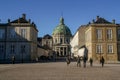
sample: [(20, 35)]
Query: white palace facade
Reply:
[(18, 38)]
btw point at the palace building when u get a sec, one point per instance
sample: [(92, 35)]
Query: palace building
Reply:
[(102, 38), (18, 38), (47, 42)]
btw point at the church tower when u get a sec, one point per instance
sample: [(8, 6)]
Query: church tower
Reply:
[(61, 39)]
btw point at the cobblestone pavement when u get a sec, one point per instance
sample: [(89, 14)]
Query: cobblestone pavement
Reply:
[(58, 71)]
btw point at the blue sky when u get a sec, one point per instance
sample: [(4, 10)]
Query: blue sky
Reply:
[(46, 13)]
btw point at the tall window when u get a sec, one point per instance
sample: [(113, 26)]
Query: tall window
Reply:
[(23, 33), (55, 41), (110, 49), (109, 34), (1, 48), (61, 41), (2, 33), (118, 34), (47, 43), (12, 49), (67, 40), (12, 33), (99, 33), (98, 48)]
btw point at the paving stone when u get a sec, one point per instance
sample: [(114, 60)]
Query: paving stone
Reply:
[(59, 71)]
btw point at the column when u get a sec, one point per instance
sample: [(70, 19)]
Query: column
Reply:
[(63, 40), (67, 50), (59, 51), (63, 51)]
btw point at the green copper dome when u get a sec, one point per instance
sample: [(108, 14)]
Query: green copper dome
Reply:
[(62, 28)]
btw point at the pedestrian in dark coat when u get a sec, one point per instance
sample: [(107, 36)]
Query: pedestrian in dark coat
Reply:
[(78, 62), (102, 60), (68, 60), (84, 61), (91, 62), (13, 59)]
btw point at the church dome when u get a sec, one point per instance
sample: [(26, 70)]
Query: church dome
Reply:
[(61, 29)]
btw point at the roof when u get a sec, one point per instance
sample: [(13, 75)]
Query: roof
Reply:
[(20, 20), (47, 36), (3, 24), (61, 29), (39, 39), (101, 20)]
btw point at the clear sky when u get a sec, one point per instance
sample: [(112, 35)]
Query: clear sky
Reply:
[(46, 13)]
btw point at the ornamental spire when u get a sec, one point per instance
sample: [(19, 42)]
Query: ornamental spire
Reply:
[(61, 21)]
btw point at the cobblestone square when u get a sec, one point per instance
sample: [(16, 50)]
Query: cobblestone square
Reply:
[(59, 71)]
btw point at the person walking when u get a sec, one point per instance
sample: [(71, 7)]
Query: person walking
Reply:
[(102, 60), (84, 61), (91, 62), (13, 59), (68, 60), (78, 62)]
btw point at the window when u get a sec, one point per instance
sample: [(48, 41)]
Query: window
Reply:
[(22, 48), (99, 33), (23, 33), (2, 33), (67, 40), (119, 34), (61, 41), (12, 33), (55, 40), (110, 48), (12, 49), (46, 42), (98, 48), (109, 34), (65, 51), (1, 48)]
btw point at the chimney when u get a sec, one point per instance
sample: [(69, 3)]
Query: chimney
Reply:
[(8, 20), (19, 20), (93, 21), (24, 16), (97, 17), (29, 21), (89, 22), (33, 23), (113, 21)]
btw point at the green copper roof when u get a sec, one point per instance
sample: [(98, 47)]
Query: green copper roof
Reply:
[(61, 28)]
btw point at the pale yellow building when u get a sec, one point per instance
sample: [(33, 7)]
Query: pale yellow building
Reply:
[(118, 41), (101, 39)]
